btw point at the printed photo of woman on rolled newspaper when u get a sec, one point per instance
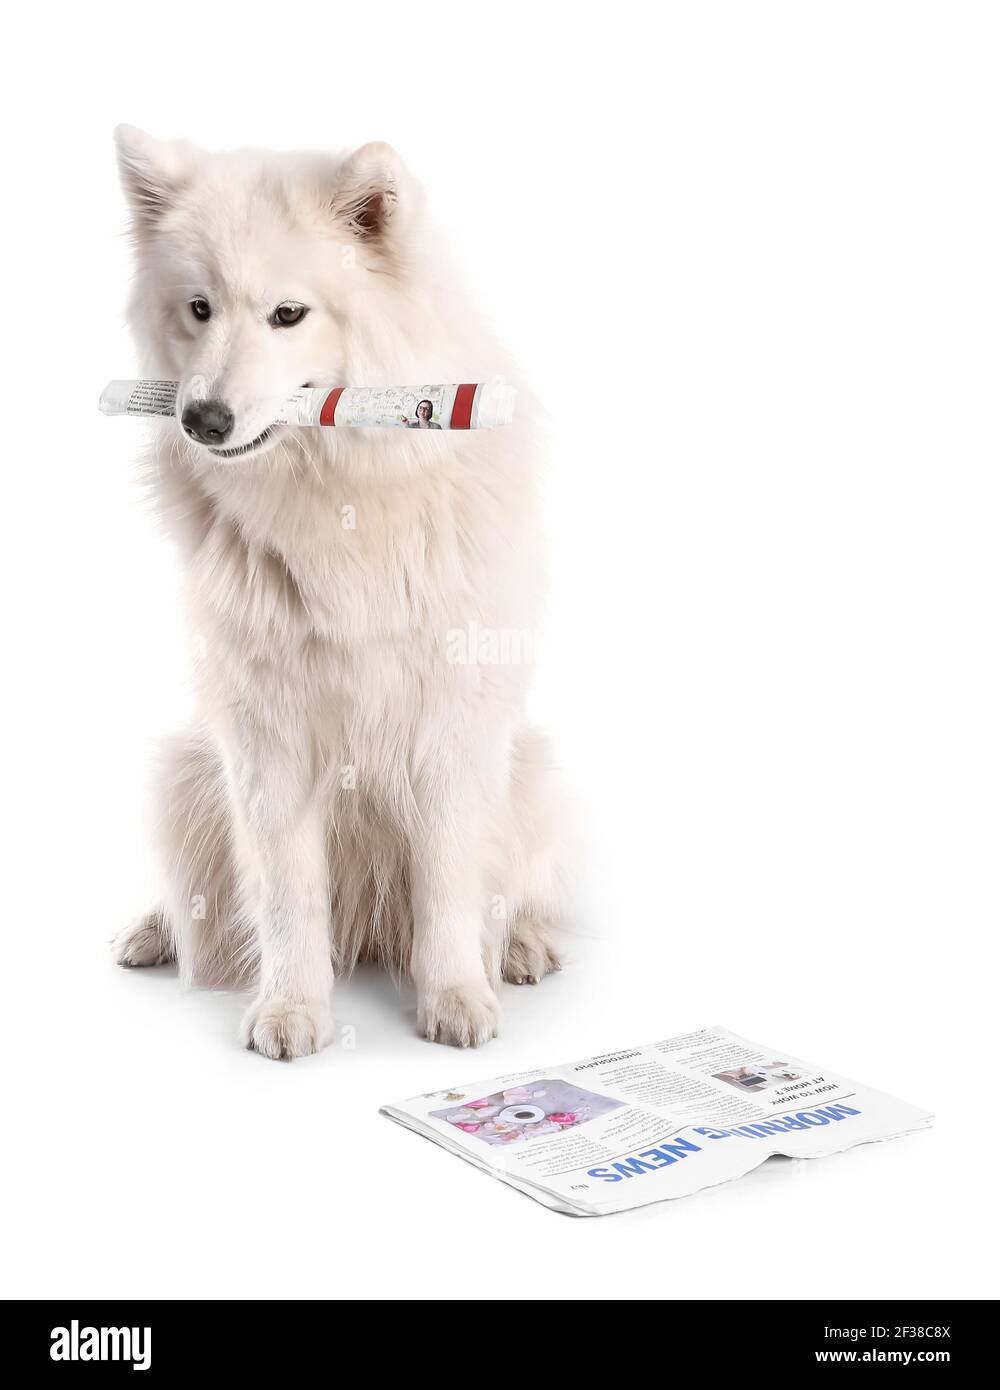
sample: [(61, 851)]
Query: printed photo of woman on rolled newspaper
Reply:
[(423, 421)]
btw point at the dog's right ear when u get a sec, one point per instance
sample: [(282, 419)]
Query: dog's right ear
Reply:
[(152, 173)]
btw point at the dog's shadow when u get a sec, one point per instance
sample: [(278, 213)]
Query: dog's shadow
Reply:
[(370, 1008)]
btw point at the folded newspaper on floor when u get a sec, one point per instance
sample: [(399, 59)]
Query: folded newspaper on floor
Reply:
[(654, 1122)]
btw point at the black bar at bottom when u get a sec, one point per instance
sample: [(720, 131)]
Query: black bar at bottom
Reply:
[(775, 1336)]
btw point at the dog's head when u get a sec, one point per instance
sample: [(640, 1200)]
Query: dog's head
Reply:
[(261, 273)]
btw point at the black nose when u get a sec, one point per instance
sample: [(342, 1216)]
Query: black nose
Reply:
[(210, 422)]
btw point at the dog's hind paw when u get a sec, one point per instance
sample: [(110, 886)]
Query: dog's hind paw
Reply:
[(531, 952), (145, 941)]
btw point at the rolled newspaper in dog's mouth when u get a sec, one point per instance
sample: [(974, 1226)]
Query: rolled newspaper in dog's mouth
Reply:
[(455, 406)]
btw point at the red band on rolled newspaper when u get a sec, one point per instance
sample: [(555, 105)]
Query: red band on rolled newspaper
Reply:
[(328, 414), (461, 411)]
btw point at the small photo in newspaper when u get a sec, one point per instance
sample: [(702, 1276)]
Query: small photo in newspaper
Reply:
[(760, 1076)]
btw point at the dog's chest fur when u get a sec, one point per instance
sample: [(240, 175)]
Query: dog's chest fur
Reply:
[(323, 599)]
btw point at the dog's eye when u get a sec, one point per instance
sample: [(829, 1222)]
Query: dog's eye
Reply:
[(201, 309), (286, 315)]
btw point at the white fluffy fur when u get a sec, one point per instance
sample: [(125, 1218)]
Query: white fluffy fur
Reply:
[(346, 792)]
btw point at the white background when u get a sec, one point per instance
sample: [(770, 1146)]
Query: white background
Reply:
[(749, 255)]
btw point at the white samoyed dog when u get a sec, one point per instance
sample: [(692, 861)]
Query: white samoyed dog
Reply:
[(360, 781)]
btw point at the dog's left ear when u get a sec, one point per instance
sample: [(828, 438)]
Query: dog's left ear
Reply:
[(370, 193), (152, 173)]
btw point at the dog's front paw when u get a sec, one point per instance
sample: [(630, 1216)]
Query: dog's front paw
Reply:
[(461, 1015), (285, 1028)]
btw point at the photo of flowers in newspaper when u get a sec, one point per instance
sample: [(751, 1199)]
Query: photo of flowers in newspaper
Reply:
[(520, 1113)]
